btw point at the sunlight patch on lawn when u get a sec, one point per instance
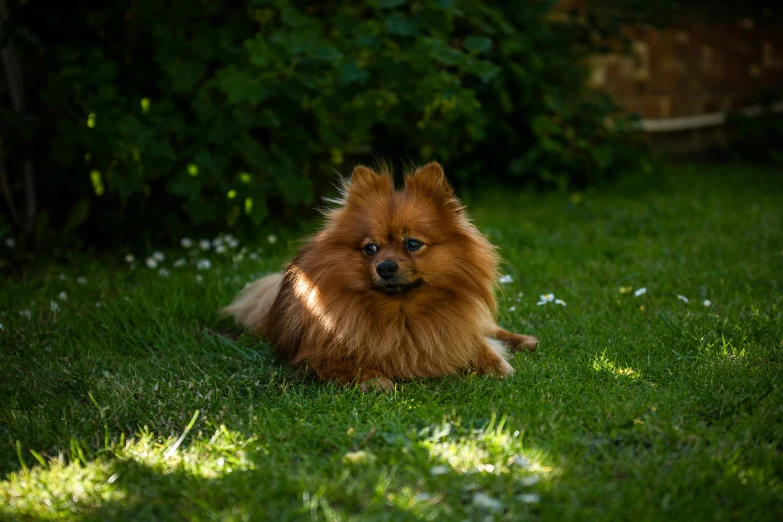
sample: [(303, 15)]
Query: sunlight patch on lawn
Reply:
[(83, 485), (602, 363), (492, 450)]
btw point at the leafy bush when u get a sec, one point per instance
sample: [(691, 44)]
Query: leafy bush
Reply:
[(152, 117), (756, 139)]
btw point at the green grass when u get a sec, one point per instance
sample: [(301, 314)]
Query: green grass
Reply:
[(635, 407)]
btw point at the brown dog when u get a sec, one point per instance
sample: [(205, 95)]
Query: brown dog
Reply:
[(397, 285)]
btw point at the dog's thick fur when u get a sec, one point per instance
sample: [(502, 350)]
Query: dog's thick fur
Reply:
[(331, 313)]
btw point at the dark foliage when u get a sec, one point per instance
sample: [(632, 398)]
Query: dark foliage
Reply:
[(146, 118)]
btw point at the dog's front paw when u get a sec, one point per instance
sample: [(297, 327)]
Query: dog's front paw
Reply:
[(382, 384), (490, 363), (523, 343), (503, 369)]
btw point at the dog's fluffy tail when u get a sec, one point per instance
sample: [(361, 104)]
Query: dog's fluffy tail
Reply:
[(251, 307)]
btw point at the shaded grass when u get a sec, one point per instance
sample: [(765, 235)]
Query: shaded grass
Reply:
[(634, 407)]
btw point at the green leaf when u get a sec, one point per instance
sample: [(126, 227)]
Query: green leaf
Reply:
[(351, 73), (240, 87), (259, 51), (401, 25), (185, 75), (77, 216), (477, 44), (387, 4)]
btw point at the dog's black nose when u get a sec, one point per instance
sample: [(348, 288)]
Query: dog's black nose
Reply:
[(387, 269)]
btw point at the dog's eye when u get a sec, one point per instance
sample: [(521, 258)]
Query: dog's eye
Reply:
[(370, 249), (412, 245)]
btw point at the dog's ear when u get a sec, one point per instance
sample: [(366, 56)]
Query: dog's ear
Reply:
[(430, 181), (365, 183)]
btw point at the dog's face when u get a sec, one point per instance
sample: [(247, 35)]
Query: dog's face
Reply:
[(402, 242), (392, 259)]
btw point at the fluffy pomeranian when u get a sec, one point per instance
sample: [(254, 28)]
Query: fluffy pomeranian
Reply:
[(398, 285)]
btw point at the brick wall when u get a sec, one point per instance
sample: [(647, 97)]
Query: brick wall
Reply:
[(693, 68)]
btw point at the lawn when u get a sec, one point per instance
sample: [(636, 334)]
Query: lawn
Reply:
[(124, 394)]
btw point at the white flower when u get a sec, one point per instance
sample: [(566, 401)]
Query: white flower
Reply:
[(186, 242), (204, 264), (512, 309), (707, 302), (158, 255), (220, 249), (529, 498), (99, 305), (422, 497), (10, 242), (530, 480), (81, 280), (63, 296), (55, 307), (482, 500), (253, 256), (545, 298), (560, 302), (63, 277), (233, 243), (520, 461), (129, 258), (179, 262), (271, 239), (506, 279), (199, 278), (164, 273), (682, 298), (151, 262), (1, 326), (26, 314), (439, 470), (641, 291), (204, 244), (217, 241)]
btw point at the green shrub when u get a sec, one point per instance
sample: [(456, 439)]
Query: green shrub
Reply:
[(757, 139), (152, 117)]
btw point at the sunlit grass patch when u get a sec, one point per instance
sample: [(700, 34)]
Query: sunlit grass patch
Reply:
[(112, 476)]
